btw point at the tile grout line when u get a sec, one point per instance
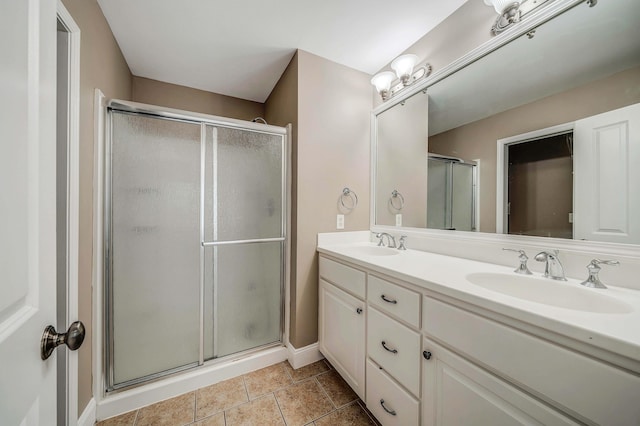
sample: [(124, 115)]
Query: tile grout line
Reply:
[(280, 409), (195, 405), (324, 391), (246, 390)]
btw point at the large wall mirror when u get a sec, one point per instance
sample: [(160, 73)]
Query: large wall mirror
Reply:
[(539, 137)]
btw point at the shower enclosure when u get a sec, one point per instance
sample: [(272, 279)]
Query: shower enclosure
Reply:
[(451, 193), (195, 215)]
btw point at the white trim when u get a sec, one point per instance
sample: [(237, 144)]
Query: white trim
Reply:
[(125, 401), (73, 199), (373, 166), (98, 255), (303, 356), (88, 416), (502, 165)]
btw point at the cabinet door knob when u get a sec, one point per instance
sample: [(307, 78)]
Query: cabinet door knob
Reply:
[(358, 311), (426, 354), (384, 345), (392, 412)]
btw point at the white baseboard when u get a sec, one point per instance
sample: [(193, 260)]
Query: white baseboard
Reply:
[(303, 356), (88, 417), (125, 401)]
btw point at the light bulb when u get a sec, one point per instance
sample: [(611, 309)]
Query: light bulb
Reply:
[(382, 81), (501, 5), (403, 66)]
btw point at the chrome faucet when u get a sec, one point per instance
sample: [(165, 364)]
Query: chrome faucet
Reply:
[(594, 281), (403, 239), (522, 269), (553, 268), (391, 242)]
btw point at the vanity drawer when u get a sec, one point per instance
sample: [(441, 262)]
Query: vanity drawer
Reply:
[(395, 300), (401, 358), (589, 390), (387, 401), (345, 277)]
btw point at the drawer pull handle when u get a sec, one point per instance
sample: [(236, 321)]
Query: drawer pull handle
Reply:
[(358, 311), (384, 345), (383, 297), (426, 355), (392, 412)]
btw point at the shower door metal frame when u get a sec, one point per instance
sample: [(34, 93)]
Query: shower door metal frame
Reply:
[(450, 161), (203, 120)]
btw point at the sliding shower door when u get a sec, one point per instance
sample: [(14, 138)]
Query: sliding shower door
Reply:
[(243, 239), (154, 255), (195, 241)]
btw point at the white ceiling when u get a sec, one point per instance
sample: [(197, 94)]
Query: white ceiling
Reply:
[(241, 47)]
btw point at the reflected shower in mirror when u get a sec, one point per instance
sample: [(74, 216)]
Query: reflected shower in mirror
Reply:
[(578, 66)]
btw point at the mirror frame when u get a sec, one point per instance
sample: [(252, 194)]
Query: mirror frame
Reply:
[(534, 20)]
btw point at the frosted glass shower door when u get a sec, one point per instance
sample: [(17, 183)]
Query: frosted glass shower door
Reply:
[(463, 197), (244, 239), (154, 275), (438, 194)]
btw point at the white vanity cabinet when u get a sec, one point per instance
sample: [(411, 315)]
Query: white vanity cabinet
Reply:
[(432, 359), (457, 392), (575, 383), (341, 327)]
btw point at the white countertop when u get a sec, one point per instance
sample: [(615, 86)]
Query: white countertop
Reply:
[(617, 333)]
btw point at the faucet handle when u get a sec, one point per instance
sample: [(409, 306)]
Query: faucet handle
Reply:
[(522, 269), (403, 239), (603, 262), (379, 236), (593, 267)]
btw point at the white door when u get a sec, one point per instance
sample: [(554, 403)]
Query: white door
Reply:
[(607, 177), (27, 209)]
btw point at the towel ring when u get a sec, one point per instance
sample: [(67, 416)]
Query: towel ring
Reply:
[(347, 193), (396, 195)]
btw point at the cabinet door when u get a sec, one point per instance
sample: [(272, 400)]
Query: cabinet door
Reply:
[(342, 334), (457, 392)]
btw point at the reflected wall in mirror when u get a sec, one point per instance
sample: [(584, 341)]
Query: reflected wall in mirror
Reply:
[(401, 164), (580, 64)]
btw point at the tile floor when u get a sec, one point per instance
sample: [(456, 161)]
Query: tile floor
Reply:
[(313, 395)]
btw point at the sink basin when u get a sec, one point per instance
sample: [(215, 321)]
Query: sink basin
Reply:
[(371, 250), (553, 293)]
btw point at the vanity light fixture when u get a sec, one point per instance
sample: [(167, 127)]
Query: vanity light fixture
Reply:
[(508, 11), (513, 11), (382, 81), (403, 66)]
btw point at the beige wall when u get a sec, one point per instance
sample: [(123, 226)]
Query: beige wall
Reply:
[(281, 108), (328, 105), (402, 149), (477, 140), (541, 197), (156, 92), (334, 103), (101, 66)]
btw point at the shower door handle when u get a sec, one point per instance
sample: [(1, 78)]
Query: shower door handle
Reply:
[(51, 339)]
